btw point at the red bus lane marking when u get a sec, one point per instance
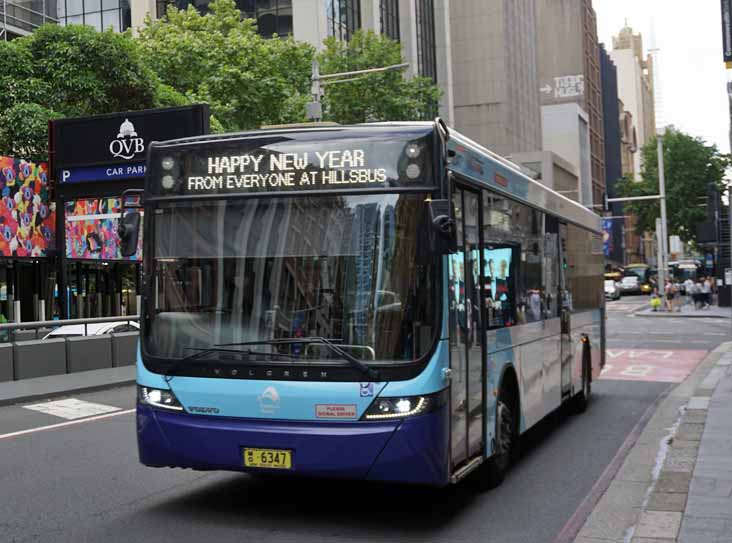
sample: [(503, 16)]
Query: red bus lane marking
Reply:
[(651, 364)]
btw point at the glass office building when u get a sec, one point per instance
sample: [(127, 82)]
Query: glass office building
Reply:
[(100, 14)]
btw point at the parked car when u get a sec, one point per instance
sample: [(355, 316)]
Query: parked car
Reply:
[(613, 288), (96, 329), (631, 283)]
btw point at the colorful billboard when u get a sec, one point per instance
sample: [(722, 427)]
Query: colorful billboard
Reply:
[(91, 230), (27, 216)]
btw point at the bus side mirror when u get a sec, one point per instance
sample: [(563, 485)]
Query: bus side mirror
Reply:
[(443, 231), (129, 232)]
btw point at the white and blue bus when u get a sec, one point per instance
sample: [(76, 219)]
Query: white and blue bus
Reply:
[(387, 302)]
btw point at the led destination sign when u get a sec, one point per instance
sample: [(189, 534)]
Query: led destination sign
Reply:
[(289, 166), (278, 171)]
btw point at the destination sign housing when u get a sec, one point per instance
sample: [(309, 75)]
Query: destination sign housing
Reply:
[(232, 167)]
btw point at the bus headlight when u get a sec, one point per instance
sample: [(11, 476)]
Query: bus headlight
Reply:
[(156, 397), (405, 406)]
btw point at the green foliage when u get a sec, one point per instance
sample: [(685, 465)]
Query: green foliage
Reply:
[(90, 72), (24, 131), (375, 97), (184, 58), (67, 71), (219, 58), (689, 166)]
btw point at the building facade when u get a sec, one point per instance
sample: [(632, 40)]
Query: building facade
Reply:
[(21, 17), (614, 226), (494, 65), (569, 72), (635, 86), (550, 170), (566, 132)]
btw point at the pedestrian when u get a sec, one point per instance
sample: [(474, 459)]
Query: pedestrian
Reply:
[(688, 287), (707, 292), (669, 291), (696, 294)]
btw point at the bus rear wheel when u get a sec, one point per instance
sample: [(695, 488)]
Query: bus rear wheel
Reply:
[(497, 465)]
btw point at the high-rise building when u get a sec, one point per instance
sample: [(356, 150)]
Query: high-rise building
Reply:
[(614, 226), (21, 17), (635, 85), (569, 72), (495, 73)]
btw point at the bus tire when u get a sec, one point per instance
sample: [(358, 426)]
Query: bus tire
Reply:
[(506, 449), (582, 398)]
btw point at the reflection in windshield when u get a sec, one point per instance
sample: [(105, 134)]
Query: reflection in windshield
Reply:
[(349, 268)]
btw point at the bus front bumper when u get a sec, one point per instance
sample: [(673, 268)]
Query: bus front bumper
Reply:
[(414, 450)]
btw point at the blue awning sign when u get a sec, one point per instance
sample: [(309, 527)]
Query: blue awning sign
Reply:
[(103, 173)]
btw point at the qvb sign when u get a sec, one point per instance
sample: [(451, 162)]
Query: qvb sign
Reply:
[(727, 29), (113, 147)]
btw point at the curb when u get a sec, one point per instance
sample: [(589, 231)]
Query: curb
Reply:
[(26, 390), (645, 313), (655, 472)]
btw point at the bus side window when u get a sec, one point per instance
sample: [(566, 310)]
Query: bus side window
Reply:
[(513, 254)]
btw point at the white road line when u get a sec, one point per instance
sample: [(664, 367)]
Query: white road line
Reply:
[(72, 408), (64, 424)]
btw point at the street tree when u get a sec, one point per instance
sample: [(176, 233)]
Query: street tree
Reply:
[(68, 71), (220, 58), (386, 96), (690, 165)]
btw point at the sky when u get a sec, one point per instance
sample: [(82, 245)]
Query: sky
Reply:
[(688, 34)]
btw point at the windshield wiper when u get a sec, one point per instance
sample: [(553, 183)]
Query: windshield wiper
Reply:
[(330, 343), (204, 351)]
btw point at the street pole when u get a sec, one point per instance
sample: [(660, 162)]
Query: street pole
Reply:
[(664, 225), (659, 252), (314, 109)]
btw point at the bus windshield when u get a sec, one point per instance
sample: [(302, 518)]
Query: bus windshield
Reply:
[(349, 268)]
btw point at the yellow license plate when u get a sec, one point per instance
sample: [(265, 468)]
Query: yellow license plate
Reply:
[(268, 458)]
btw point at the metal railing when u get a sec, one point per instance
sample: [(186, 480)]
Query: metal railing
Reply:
[(35, 325)]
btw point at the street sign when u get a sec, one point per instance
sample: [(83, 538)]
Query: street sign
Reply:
[(727, 30), (728, 276)]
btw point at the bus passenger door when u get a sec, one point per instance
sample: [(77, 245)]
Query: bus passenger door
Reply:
[(466, 391), (565, 313)]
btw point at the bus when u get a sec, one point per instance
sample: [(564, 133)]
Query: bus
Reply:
[(383, 302), (682, 270)]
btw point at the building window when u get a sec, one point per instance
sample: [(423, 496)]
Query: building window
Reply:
[(344, 17), (26, 14), (390, 18), (426, 39), (100, 14), (272, 16)]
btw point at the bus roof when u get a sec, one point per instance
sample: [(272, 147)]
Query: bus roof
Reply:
[(499, 174), (426, 126), (474, 161)]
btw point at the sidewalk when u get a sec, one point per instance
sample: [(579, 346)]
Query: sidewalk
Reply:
[(689, 311), (675, 485), (24, 390)]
